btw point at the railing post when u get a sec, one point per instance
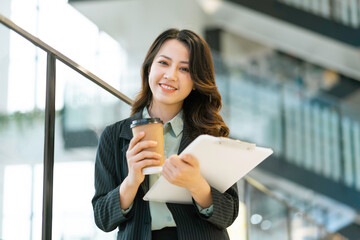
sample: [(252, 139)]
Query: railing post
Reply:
[(288, 223), (247, 208), (49, 148)]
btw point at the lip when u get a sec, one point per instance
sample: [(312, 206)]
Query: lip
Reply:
[(163, 85)]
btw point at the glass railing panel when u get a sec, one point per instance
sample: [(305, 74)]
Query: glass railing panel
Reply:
[(270, 215), (22, 93), (303, 228), (86, 109), (237, 231), (268, 218)]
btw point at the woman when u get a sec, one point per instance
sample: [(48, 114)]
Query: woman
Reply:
[(178, 86)]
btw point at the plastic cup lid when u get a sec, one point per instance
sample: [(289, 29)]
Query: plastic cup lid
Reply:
[(144, 121)]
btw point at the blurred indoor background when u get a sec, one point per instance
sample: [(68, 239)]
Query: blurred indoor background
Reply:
[(288, 72)]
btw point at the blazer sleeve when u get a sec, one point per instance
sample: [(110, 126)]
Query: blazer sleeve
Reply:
[(226, 207), (106, 201)]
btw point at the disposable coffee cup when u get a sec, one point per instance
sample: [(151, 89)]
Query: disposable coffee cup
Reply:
[(153, 128)]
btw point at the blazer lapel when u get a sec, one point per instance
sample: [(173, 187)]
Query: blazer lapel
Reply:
[(126, 131), (145, 184), (185, 140)]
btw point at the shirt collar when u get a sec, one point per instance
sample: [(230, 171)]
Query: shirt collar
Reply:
[(176, 123)]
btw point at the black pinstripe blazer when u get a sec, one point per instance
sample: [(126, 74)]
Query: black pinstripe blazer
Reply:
[(111, 169)]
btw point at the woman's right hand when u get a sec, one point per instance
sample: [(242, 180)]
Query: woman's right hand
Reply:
[(138, 159)]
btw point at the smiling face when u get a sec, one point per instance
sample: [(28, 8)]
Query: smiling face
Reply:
[(169, 77)]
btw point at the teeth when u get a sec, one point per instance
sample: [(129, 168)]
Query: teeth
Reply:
[(167, 87)]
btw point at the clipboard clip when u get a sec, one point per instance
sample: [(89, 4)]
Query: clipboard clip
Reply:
[(237, 143)]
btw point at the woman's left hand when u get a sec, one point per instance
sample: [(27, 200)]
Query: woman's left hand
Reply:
[(185, 172)]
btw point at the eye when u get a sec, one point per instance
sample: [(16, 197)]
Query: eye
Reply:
[(162, 62), (185, 69)]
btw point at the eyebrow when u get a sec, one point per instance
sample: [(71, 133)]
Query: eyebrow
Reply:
[(171, 59)]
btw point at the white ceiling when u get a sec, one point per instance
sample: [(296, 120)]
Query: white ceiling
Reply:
[(136, 23)]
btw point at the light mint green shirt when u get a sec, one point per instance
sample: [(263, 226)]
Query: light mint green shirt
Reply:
[(160, 215)]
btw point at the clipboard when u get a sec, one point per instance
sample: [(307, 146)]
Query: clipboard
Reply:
[(223, 161)]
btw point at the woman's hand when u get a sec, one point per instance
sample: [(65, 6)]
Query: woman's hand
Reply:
[(185, 173), (138, 159)]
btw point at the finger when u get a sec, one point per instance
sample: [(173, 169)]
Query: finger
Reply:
[(173, 175), (175, 171), (168, 176), (165, 173), (187, 158), (140, 146), (169, 167), (146, 154), (175, 160), (136, 139), (147, 163), (169, 171), (178, 163)]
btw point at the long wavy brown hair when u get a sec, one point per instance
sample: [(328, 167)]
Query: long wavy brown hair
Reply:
[(202, 106)]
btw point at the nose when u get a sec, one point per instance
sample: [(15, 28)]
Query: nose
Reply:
[(172, 74)]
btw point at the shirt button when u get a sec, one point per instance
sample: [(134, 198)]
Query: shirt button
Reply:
[(169, 218)]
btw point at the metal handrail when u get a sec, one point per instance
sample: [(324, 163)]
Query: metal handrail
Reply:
[(67, 61), (53, 54), (49, 132)]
